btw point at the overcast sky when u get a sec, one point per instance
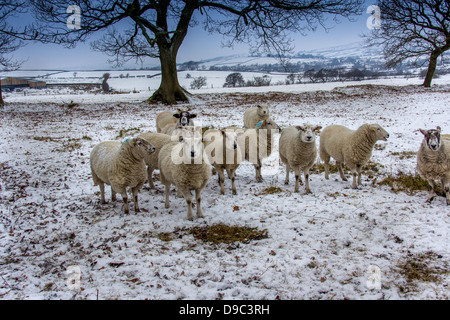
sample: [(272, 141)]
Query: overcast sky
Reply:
[(198, 45)]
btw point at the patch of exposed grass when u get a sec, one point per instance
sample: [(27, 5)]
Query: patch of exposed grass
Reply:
[(405, 154), (319, 168), (127, 132), (422, 267), (408, 183), (271, 190), (228, 234), (46, 139)]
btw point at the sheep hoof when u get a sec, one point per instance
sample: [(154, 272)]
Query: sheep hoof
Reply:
[(430, 200)]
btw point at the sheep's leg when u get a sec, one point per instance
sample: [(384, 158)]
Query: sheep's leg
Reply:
[(298, 179), (198, 197), (150, 177), (288, 169), (259, 177), (326, 160), (232, 176), (135, 198), (188, 197), (167, 191), (221, 176), (123, 192), (355, 178), (341, 171), (359, 170), (432, 193), (102, 192), (306, 173), (327, 170), (113, 195)]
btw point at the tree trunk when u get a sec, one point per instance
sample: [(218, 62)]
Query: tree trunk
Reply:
[(431, 69), (169, 92), (2, 103)]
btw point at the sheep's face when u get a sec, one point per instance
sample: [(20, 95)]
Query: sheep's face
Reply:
[(263, 110), (184, 118), (308, 133), (192, 147), (141, 147), (380, 133), (432, 138), (231, 139)]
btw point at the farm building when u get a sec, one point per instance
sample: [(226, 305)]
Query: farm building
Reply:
[(13, 83)]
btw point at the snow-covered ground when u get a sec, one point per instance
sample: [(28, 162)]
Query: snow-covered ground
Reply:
[(328, 245)]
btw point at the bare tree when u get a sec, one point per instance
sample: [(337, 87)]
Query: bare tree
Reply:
[(8, 42), (158, 28), (413, 29)]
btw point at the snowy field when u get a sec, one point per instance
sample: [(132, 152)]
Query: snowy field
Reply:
[(327, 245)]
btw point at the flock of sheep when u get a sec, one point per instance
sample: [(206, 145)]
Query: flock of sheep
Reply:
[(184, 154)]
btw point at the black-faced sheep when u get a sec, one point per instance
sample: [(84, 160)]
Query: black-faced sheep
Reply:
[(433, 161), (166, 121)]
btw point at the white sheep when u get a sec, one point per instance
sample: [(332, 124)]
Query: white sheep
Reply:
[(185, 165), (224, 154), (158, 140), (253, 116), (353, 148), (433, 161), (120, 165), (167, 119), (299, 152), (256, 144)]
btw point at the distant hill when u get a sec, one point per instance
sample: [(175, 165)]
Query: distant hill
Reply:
[(349, 56)]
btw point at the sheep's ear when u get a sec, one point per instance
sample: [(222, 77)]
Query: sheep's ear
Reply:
[(177, 115), (439, 129), (259, 106), (192, 116), (318, 128), (299, 128), (424, 132)]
